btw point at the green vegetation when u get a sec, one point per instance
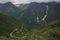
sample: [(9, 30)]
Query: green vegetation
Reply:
[(25, 22), (41, 31), (7, 24), (51, 31)]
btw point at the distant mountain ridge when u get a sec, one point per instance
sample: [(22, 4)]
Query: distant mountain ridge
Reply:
[(32, 12), (39, 9), (9, 8)]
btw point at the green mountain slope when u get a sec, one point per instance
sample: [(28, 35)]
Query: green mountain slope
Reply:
[(7, 24), (30, 12), (49, 32)]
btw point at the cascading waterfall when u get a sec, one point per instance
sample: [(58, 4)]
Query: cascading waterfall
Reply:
[(37, 19), (45, 14)]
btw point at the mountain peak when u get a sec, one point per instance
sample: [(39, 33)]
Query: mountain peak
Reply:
[(8, 3)]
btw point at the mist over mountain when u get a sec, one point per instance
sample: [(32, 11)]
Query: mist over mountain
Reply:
[(27, 1)]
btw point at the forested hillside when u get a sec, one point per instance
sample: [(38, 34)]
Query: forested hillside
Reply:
[(50, 31), (7, 24)]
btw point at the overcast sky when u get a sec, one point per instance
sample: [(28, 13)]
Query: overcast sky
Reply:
[(26, 1)]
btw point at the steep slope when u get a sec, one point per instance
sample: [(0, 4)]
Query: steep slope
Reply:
[(36, 11), (33, 12), (7, 24), (53, 12), (10, 9)]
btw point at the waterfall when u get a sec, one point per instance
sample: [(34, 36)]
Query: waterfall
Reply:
[(45, 14), (37, 19)]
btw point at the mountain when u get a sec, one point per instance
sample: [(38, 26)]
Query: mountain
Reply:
[(31, 11), (36, 11), (34, 21), (53, 12), (10, 9)]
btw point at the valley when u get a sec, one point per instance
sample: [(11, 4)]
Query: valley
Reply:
[(33, 21)]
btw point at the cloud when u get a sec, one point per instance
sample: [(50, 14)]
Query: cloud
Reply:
[(21, 1), (26, 1)]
